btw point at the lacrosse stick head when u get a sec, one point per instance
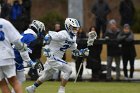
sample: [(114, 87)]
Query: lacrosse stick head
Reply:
[(39, 65), (91, 37)]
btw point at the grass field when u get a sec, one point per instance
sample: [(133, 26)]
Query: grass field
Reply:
[(89, 87)]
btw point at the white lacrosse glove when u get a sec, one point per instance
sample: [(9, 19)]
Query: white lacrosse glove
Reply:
[(91, 37)]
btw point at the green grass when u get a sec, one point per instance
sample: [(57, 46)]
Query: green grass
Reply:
[(89, 87)]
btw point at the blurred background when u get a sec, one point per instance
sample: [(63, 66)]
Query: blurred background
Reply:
[(52, 11)]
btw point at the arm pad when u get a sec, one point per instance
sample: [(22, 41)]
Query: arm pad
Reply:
[(22, 48)]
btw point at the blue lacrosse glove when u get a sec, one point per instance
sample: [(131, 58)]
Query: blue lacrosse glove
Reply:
[(76, 52), (36, 65), (2, 36), (84, 52), (31, 64), (47, 39), (46, 52)]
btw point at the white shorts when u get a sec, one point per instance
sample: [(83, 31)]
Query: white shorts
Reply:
[(7, 71), (21, 76), (52, 66)]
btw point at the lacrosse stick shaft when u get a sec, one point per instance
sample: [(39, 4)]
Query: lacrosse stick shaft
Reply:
[(78, 72)]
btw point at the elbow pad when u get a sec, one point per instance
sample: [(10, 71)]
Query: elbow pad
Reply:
[(22, 48), (25, 56)]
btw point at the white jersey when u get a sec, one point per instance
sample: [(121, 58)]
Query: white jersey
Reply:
[(60, 42), (11, 35)]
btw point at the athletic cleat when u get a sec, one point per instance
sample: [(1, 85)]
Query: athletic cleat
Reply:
[(61, 90), (30, 89)]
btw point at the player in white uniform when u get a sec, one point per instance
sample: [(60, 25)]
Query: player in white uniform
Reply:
[(9, 35), (58, 43)]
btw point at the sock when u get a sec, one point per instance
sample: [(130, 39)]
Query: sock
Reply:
[(61, 87), (35, 85)]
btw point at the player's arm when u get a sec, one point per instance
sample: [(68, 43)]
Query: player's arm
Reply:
[(85, 52), (55, 36), (15, 38), (23, 50), (81, 52)]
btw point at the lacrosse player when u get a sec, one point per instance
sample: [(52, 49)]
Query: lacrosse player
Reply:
[(33, 37), (9, 35), (57, 44)]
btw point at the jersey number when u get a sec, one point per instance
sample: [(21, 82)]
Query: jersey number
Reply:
[(64, 48)]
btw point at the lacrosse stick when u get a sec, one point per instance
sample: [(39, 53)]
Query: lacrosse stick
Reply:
[(38, 65), (91, 37), (78, 72)]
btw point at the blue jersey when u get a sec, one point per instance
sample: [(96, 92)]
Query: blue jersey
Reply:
[(28, 36)]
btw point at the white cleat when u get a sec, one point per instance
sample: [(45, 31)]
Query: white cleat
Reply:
[(30, 89), (61, 90)]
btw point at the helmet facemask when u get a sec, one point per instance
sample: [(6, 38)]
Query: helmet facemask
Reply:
[(72, 25)]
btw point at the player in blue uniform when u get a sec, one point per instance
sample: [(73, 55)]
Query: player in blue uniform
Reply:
[(33, 37)]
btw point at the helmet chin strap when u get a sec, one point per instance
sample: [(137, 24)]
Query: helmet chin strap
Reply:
[(72, 34)]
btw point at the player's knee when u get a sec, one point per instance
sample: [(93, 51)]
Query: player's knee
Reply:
[(66, 75), (22, 80), (45, 76), (42, 78), (13, 81), (70, 72)]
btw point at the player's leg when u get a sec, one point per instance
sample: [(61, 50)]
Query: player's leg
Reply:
[(67, 72), (15, 84), (4, 86), (21, 78), (10, 74), (3, 83), (46, 75)]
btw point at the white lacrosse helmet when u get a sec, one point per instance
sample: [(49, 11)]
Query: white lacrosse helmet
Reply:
[(72, 24), (38, 25)]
